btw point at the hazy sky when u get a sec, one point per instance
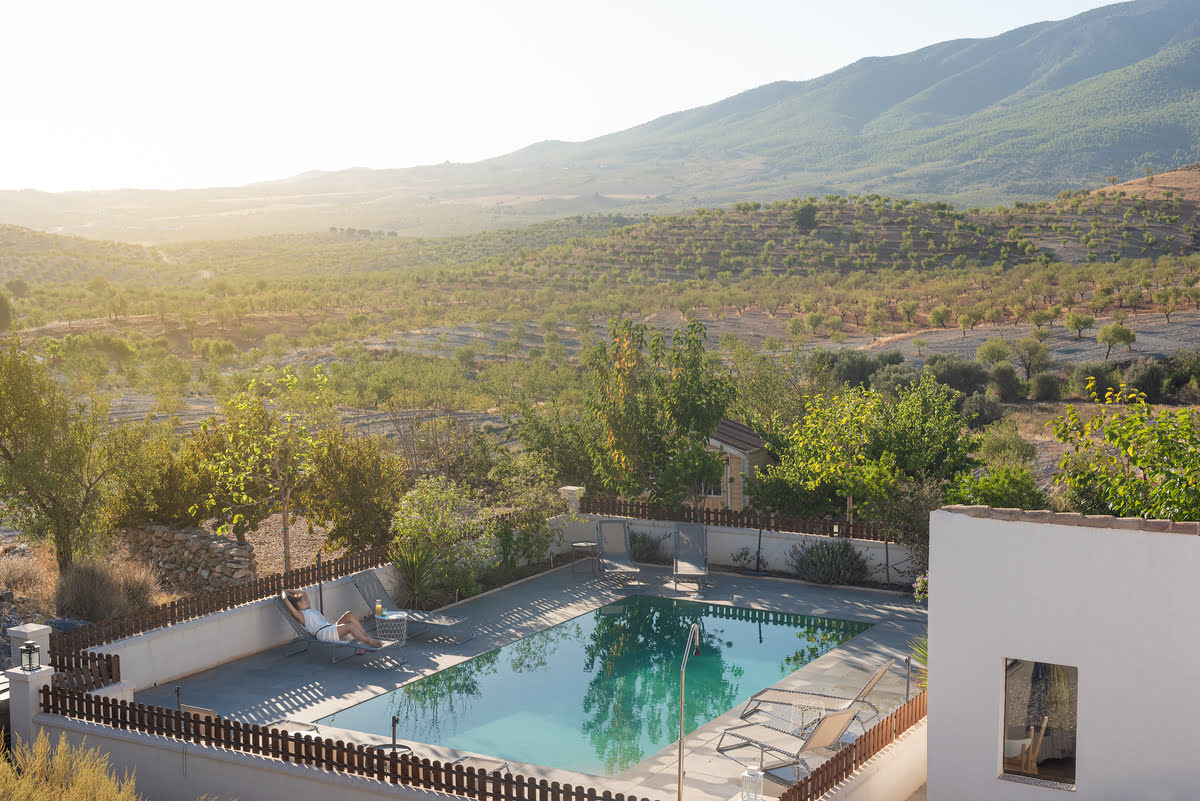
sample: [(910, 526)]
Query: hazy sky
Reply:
[(171, 93)]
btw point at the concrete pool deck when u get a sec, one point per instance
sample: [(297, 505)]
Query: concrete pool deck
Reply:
[(268, 688)]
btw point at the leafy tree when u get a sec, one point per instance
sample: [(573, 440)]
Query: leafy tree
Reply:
[(265, 456), (6, 313), (1004, 487), (939, 316), (1115, 334), (1079, 322), (1129, 460), (655, 407), (1004, 383), (356, 484), (994, 351), (560, 435), (1032, 355), (58, 456)]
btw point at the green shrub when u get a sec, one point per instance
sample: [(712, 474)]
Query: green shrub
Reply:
[(1002, 443), (416, 563), (1104, 373), (1004, 383), (831, 562), (1147, 376), (646, 548), (1045, 387), (980, 410)]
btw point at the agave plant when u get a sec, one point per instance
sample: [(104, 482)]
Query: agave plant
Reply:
[(417, 564), (919, 648)]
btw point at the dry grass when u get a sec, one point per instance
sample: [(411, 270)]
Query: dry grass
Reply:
[(63, 772), (94, 590), (31, 576)]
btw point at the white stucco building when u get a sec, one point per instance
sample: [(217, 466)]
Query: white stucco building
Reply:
[(1064, 661)]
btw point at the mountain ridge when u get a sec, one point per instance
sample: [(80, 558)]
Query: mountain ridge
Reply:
[(1017, 116)]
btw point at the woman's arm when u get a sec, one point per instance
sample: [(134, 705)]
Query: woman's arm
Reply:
[(291, 610)]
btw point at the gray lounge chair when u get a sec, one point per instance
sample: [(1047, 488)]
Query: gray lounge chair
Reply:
[(817, 701), (691, 554), (348, 648), (456, 629), (612, 537), (823, 739)]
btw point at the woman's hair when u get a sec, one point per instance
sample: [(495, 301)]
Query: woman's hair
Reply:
[(295, 595)]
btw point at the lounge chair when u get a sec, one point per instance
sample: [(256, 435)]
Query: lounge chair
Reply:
[(817, 701), (304, 639), (824, 736), (456, 629), (691, 554), (612, 537)]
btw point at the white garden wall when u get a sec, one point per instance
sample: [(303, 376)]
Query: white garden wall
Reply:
[(1117, 598), (724, 543)]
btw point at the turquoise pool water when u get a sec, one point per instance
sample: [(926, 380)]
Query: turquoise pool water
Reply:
[(600, 692)]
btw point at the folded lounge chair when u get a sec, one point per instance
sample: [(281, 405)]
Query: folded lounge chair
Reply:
[(823, 739), (613, 539), (348, 648), (818, 701), (456, 629), (691, 554)]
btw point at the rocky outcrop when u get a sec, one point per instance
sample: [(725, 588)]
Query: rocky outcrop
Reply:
[(192, 559)]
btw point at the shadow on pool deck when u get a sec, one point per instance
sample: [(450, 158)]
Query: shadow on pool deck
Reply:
[(267, 688)]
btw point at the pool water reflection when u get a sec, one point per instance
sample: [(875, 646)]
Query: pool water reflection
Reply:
[(600, 693)]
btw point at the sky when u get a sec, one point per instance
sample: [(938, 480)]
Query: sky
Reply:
[(177, 93)]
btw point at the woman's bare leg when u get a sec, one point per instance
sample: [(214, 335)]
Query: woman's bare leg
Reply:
[(348, 624)]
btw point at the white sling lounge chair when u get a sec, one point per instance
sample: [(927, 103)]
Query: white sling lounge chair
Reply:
[(691, 554), (822, 740), (456, 629), (347, 648), (612, 537), (817, 701)]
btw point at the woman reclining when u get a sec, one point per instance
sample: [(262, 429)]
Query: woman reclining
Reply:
[(299, 607)]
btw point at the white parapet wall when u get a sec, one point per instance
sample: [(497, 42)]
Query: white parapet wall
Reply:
[(889, 562), (187, 648), (1115, 598), (171, 770)]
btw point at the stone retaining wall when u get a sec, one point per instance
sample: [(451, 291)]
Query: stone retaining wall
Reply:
[(192, 559)]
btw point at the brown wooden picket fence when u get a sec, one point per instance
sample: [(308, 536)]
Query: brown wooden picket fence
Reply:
[(206, 603), (744, 518), (849, 759), (83, 670), (382, 764)]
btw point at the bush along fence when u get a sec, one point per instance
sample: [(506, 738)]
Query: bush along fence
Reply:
[(829, 774), (206, 603), (382, 764), (745, 518)]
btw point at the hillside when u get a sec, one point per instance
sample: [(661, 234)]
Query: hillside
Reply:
[(975, 122)]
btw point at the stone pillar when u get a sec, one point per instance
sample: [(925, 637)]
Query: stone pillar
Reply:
[(25, 701), (571, 495), (17, 636)]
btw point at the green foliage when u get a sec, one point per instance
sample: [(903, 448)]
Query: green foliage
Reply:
[(59, 458), (833, 562), (7, 313), (993, 351), (1004, 383), (418, 565), (1004, 487), (264, 455), (1045, 387), (919, 648), (655, 408), (1079, 322), (1115, 334), (1147, 376), (445, 517), (1003, 445), (560, 435), (981, 410), (525, 498), (967, 377), (647, 548), (1129, 460), (1032, 355), (354, 488), (1103, 373)]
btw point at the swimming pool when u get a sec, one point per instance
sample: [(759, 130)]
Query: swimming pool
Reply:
[(600, 692)]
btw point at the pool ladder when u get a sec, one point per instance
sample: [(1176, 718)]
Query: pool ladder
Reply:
[(693, 637)]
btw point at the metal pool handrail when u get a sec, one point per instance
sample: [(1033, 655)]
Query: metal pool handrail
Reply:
[(693, 635)]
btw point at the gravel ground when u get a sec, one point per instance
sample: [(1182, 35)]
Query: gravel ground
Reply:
[(267, 540)]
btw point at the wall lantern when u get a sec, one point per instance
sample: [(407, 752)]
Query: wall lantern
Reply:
[(752, 784), (31, 656)]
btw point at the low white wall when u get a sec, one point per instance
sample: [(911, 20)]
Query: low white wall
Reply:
[(173, 652), (1115, 598), (171, 770), (724, 542)]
